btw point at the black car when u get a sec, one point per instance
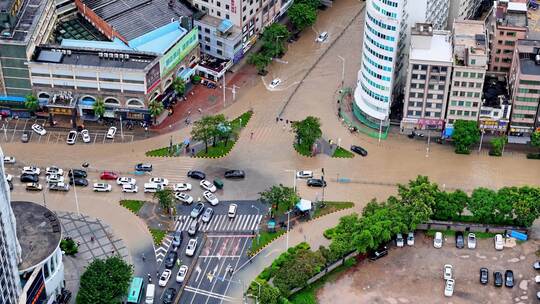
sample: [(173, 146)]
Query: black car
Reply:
[(77, 173), (235, 174), (460, 241), (169, 295), (143, 167), (78, 181), (509, 278), (316, 182), (498, 279), (29, 178), (359, 150), (379, 253), (170, 259), (484, 275), (196, 174)]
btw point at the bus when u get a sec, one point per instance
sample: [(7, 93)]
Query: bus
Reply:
[(135, 290)]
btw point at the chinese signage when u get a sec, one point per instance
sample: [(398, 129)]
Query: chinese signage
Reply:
[(233, 7), (496, 125), (152, 78), (179, 51)]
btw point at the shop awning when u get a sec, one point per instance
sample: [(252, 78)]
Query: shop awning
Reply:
[(185, 73), (304, 205)]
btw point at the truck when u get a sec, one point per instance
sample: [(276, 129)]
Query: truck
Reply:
[(59, 187)]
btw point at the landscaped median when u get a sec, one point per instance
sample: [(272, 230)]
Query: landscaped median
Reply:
[(175, 151), (342, 153), (157, 235), (133, 205)]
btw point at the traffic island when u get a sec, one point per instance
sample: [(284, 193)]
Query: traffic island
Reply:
[(342, 153), (132, 205), (171, 151)]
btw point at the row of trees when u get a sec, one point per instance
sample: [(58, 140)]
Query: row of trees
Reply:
[(212, 129), (466, 134)]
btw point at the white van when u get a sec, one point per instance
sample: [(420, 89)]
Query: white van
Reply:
[(152, 187), (150, 290)]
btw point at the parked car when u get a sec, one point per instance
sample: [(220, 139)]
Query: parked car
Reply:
[(497, 279), (143, 167), (484, 275), (54, 170), (152, 187), (447, 272), (232, 210), (59, 187), (197, 210), (509, 278), (207, 185), (169, 295), (33, 187), (191, 247), (410, 239), (181, 187), (399, 240), (177, 239), (499, 242), (102, 187), (193, 228), (85, 136), (460, 241), (275, 83), (78, 181), (304, 174), (39, 129), (211, 198), (181, 275), (183, 197), (207, 215), (359, 150), (29, 178), (126, 181), (25, 137), (378, 253), (77, 173), (159, 180), (170, 259), (111, 132), (316, 182), (71, 137), (54, 178), (438, 240), (9, 160), (449, 288), (322, 37), (108, 175), (31, 170), (130, 188), (235, 174), (164, 278), (471, 241), (196, 174)]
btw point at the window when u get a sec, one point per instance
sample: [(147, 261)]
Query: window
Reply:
[(477, 95), (207, 39), (460, 103), (475, 104), (458, 74), (219, 52), (468, 104), (218, 4), (218, 13), (226, 6), (473, 75), (459, 112), (465, 74), (480, 75), (453, 103), (469, 94), (219, 43), (227, 16), (428, 104), (207, 47), (478, 85), (207, 30), (199, 27), (452, 112), (456, 83), (473, 61), (473, 113), (466, 113), (437, 114)]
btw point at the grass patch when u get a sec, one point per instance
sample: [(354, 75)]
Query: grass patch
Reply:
[(218, 151), (484, 235), (133, 205), (302, 150), (157, 235), (265, 238), (449, 233), (164, 152), (332, 207), (342, 153), (308, 294), (242, 120)]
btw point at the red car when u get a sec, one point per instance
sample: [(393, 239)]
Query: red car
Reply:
[(108, 175)]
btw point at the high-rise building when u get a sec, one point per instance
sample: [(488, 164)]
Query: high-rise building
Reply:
[(462, 10)]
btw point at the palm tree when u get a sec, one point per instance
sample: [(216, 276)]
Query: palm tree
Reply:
[(179, 86), (31, 103), (155, 108), (99, 107)]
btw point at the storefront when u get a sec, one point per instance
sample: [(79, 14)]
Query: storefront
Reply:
[(493, 126)]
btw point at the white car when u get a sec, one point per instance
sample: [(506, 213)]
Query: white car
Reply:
[(207, 185), (181, 187), (31, 170), (181, 275), (130, 188), (438, 240), (399, 240), (55, 178), (274, 83), (9, 177), (85, 136), (159, 180), (447, 272), (537, 279), (111, 132), (71, 138), (164, 278), (449, 288), (102, 187), (499, 242), (322, 37), (304, 174), (9, 160), (39, 129), (232, 210), (126, 181), (54, 170), (184, 198), (191, 247), (211, 198), (410, 239), (471, 241)]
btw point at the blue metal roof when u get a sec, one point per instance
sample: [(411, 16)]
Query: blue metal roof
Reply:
[(116, 44), (12, 99), (159, 40), (225, 25)]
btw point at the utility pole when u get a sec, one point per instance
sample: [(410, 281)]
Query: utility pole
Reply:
[(481, 139), (224, 89)]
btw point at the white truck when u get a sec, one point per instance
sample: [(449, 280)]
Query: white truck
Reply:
[(59, 187)]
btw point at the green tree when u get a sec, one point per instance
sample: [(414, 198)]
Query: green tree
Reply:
[(218, 127), (165, 199), (416, 201), (296, 271), (260, 61), (482, 205), (280, 197), (449, 205), (302, 15), (466, 134), (31, 103), (203, 130), (105, 281), (68, 246), (307, 131), (155, 108), (269, 294), (274, 38), (313, 3), (535, 139), (526, 208), (99, 107), (497, 145), (179, 86)]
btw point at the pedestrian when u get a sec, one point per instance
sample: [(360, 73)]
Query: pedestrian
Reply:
[(284, 128), (112, 252), (277, 119), (157, 273), (143, 257), (287, 121), (251, 135), (92, 239), (200, 110), (78, 243)]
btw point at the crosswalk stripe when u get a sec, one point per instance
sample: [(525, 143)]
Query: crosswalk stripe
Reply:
[(221, 222), (255, 223), (244, 225), (241, 223), (229, 224), (187, 222), (237, 221)]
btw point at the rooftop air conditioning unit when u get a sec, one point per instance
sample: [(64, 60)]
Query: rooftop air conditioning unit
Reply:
[(126, 56), (100, 54), (121, 56), (105, 55), (115, 55), (69, 52)]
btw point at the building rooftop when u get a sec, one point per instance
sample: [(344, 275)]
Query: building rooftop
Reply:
[(76, 28), (529, 67), (471, 34), (495, 92), (29, 14), (38, 230), (134, 18), (438, 47), (533, 17), (232, 30), (527, 53)]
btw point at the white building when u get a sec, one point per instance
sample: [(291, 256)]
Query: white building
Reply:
[(462, 10)]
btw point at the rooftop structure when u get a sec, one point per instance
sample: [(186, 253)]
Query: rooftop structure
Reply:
[(469, 38), (427, 44), (22, 27)]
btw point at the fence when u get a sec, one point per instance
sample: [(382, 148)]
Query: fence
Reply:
[(469, 227), (350, 121)]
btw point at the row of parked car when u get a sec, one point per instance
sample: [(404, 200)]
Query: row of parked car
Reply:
[(471, 240)]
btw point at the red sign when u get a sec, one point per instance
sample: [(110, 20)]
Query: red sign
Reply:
[(233, 7)]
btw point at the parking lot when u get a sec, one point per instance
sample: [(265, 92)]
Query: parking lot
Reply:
[(415, 275)]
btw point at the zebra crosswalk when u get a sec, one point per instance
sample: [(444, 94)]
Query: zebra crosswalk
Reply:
[(219, 223)]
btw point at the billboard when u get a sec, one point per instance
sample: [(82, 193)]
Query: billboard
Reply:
[(179, 51), (152, 78)]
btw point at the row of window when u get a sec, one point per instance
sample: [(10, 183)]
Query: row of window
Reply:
[(390, 3), (528, 116), (381, 24), (380, 35), (529, 82), (464, 84), (468, 94), (461, 103), (384, 12), (434, 69), (419, 113), (468, 74), (373, 94), (528, 91), (376, 54), (463, 113), (377, 44), (429, 96), (378, 66), (527, 99), (374, 84), (526, 108), (419, 104)]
